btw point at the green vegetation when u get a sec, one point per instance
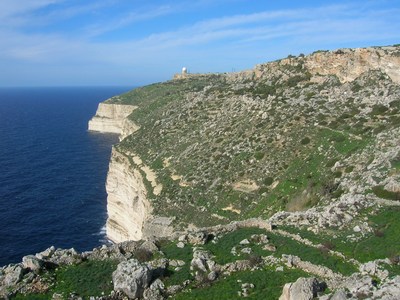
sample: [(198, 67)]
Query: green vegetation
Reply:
[(382, 193), (266, 282), (222, 248), (89, 278), (185, 254), (383, 242)]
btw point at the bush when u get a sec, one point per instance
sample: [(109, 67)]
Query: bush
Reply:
[(378, 109), (259, 155), (305, 141), (143, 255), (380, 192), (268, 181)]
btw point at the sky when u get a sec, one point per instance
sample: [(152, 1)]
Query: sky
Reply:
[(137, 42)]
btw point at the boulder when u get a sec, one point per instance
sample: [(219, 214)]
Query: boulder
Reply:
[(197, 238), (131, 278), (202, 261), (302, 289), (155, 291), (32, 263), (12, 275), (46, 253)]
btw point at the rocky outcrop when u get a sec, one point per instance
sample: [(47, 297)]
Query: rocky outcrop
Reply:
[(132, 277), (112, 118), (348, 64), (302, 289)]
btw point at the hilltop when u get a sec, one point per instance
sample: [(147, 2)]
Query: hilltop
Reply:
[(236, 184)]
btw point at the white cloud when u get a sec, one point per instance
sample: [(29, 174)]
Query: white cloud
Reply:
[(210, 45)]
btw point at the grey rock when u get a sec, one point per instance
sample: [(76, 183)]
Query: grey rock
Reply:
[(180, 245), (212, 276), (155, 291), (244, 242), (202, 261), (149, 246), (158, 267), (131, 277), (13, 275), (46, 253), (246, 250), (302, 289), (33, 263), (339, 295), (197, 238), (176, 263)]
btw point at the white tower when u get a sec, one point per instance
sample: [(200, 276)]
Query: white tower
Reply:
[(184, 71)]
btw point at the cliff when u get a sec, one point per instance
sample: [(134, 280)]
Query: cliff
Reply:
[(112, 118), (129, 209)]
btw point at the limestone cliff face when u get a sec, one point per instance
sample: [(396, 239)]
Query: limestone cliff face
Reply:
[(348, 64), (127, 204), (129, 210), (112, 118)]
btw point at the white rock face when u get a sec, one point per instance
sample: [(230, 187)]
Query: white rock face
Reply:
[(127, 204), (348, 64), (112, 118)]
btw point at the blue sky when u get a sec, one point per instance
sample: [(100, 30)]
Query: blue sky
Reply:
[(135, 42)]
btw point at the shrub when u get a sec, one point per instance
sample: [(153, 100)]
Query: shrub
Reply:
[(378, 109), (380, 192), (330, 163), (143, 255), (379, 233), (255, 260), (268, 181), (328, 245), (305, 141), (337, 174), (259, 155)]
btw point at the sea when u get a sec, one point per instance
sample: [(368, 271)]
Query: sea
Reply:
[(52, 170)]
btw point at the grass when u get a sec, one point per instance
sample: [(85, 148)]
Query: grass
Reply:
[(222, 249), (90, 278), (383, 245), (267, 283), (383, 242), (286, 245), (33, 297), (185, 254)]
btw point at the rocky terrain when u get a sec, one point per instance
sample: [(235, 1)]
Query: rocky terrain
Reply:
[(280, 181)]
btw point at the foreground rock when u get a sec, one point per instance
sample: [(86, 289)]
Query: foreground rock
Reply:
[(302, 289), (132, 278)]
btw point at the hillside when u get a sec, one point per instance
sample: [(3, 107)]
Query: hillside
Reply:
[(242, 182), (283, 136)]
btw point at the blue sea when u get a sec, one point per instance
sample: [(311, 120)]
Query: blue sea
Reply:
[(52, 170)]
